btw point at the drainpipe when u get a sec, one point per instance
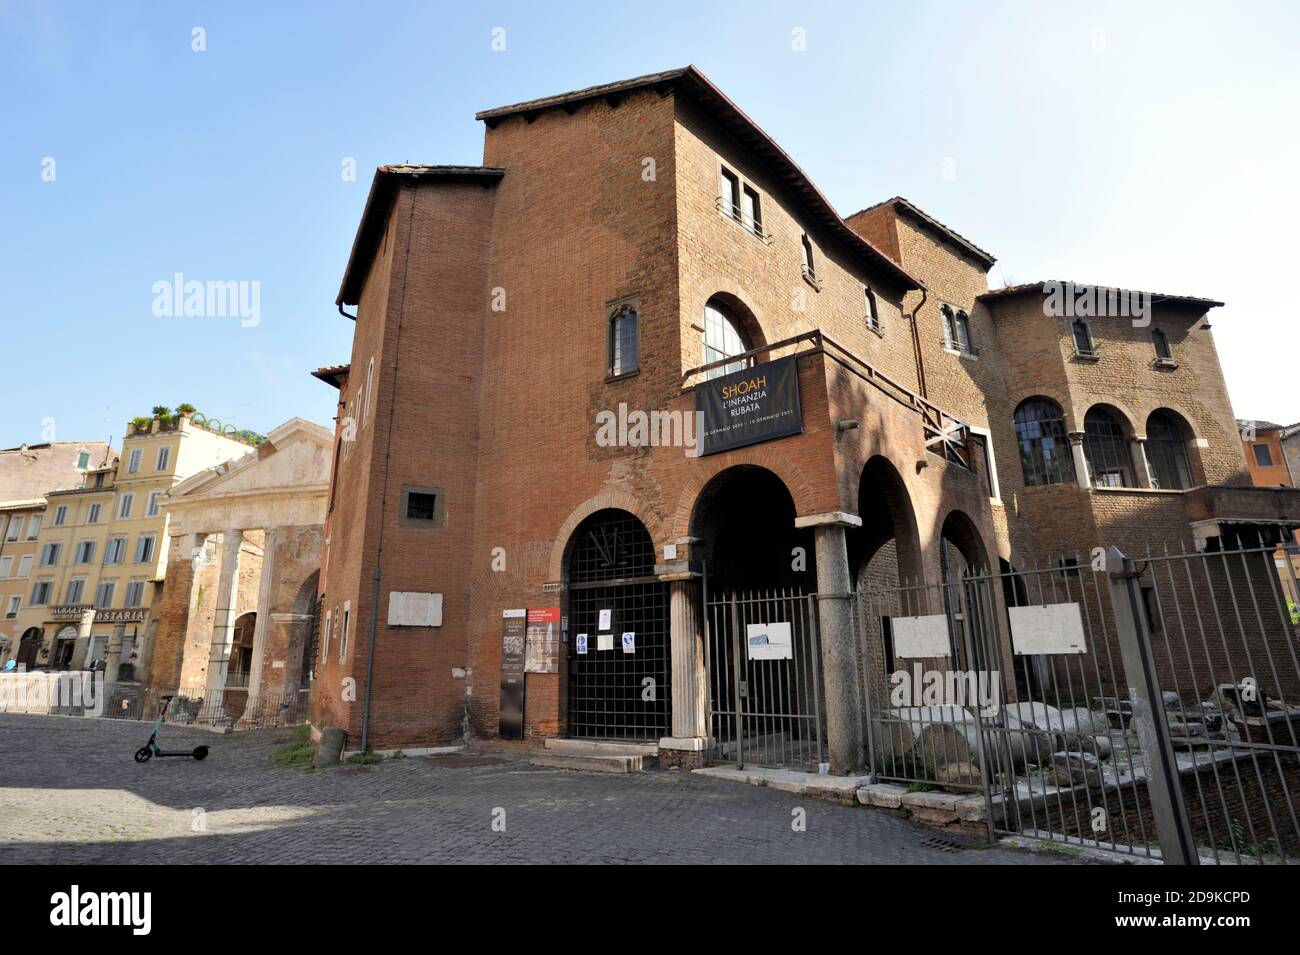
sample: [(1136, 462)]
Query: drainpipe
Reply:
[(916, 345), (370, 661), (345, 314)]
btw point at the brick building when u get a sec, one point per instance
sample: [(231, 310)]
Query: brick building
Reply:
[(644, 247)]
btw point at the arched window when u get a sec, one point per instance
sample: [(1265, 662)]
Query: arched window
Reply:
[(723, 337), (1110, 464), (1044, 445), (1167, 435), (1083, 338), (624, 357), (1161, 342), (956, 330)]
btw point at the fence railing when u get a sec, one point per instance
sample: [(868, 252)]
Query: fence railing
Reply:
[(197, 706)]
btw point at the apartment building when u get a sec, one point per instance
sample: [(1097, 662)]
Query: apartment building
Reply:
[(100, 553), (27, 473), (511, 555)]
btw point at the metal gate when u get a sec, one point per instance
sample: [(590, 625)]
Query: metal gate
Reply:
[(1149, 706), (764, 675), (617, 689)]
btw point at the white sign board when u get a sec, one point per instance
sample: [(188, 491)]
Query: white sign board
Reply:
[(769, 641), (920, 637), (1054, 628), (412, 609)]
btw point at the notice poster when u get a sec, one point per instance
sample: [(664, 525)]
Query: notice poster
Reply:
[(629, 642), (580, 641), (510, 722), (769, 641), (606, 619), (542, 654), (604, 641)]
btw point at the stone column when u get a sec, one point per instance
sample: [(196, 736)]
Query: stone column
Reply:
[(80, 658), (263, 622), (1080, 459), (113, 656), (223, 627), (839, 652), (1141, 466), (689, 691)]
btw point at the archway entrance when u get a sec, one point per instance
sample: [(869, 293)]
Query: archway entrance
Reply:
[(28, 648), (619, 657)]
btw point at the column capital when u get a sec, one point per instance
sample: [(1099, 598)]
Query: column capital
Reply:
[(829, 518)]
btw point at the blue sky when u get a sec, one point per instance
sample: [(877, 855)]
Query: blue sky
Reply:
[(1146, 145)]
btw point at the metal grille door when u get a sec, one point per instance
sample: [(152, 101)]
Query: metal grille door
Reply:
[(613, 694), (622, 692)]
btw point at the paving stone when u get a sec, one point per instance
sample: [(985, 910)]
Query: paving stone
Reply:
[(71, 793)]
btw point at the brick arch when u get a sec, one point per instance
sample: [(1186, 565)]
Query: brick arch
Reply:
[(765, 457), (1062, 398), (607, 499), (1128, 421), (962, 531), (737, 299)]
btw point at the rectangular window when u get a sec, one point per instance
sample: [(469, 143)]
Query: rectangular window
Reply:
[(325, 636), (144, 549), (104, 594), (34, 527), (75, 587), (164, 457), (24, 565), (83, 460), (115, 550), (730, 187), (6, 567), (133, 467), (41, 592), (124, 509), (422, 506), (85, 553), (153, 503), (15, 527), (15, 602), (751, 211), (92, 516), (50, 554), (60, 515), (99, 479), (135, 594), (1263, 456)]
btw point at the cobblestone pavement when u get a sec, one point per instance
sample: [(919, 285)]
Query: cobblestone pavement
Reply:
[(70, 793)]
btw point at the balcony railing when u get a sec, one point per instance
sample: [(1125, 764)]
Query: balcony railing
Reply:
[(751, 225), (945, 434)]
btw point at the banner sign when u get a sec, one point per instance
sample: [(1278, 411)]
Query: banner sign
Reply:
[(510, 721), (749, 406), (543, 641)]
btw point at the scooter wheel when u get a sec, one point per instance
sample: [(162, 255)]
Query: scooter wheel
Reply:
[(143, 754), (200, 752)]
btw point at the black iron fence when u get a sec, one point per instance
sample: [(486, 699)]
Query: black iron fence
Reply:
[(218, 710)]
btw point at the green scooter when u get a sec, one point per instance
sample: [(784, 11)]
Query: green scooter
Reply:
[(150, 749)]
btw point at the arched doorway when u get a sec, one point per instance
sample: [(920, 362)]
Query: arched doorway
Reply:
[(968, 602), (620, 658), (766, 704), (28, 648)]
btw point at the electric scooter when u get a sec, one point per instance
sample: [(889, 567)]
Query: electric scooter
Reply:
[(150, 749)]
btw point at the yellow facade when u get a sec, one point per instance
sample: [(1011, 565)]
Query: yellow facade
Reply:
[(101, 550), (20, 524)]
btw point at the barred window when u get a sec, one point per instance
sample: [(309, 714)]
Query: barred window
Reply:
[(1083, 338), (1044, 445), (1105, 448), (1167, 435)]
